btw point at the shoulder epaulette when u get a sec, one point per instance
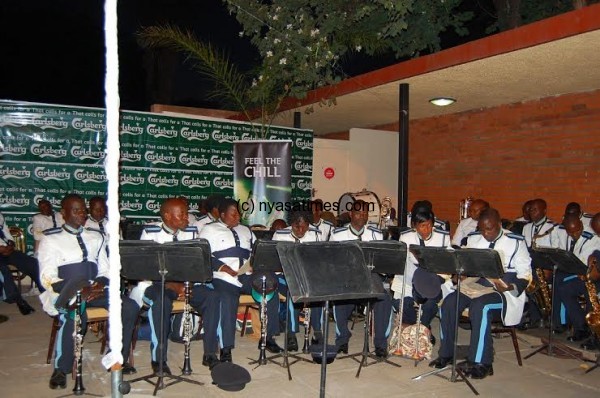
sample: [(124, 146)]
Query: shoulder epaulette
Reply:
[(202, 217), (314, 229), (587, 235), (561, 226), (328, 223), (340, 229), (441, 231), (373, 228), (474, 233), (515, 236), (283, 231), (588, 215), (152, 229), (191, 228), (51, 231), (94, 230), (407, 231)]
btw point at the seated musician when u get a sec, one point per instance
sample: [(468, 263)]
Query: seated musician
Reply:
[(9, 292), (575, 209), (211, 205), (97, 214), (326, 228), (63, 253), (231, 245), (468, 225), (425, 205), (422, 233), (538, 232), (382, 309), (525, 217), (505, 299), (46, 218), (174, 227), (299, 231), (569, 288)]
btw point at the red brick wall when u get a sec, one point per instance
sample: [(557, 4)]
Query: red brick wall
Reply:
[(548, 148)]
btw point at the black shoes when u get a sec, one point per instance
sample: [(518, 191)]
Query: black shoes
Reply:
[(58, 379), (578, 335), (479, 371), (440, 362), (273, 348), (225, 355), (292, 342), (127, 369), (560, 329), (24, 307), (165, 368), (343, 348), (211, 360), (381, 352), (591, 344)]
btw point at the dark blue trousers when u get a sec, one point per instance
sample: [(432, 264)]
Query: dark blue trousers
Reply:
[(26, 264), (569, 293), (64, 355)]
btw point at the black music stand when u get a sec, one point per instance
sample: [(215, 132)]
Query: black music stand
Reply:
[(483, 263), (171, 261), (556, 259), (324, 272), (381, 257), (266, 259)]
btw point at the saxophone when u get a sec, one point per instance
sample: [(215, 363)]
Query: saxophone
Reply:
[(539, 288), (593, 317)]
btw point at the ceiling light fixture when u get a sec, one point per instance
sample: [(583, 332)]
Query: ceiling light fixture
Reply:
[(442, 101)]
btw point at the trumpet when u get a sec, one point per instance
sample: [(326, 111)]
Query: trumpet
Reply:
[(463, 209), (78, 389), (187, 331)]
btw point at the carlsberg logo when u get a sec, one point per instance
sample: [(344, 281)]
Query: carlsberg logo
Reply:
[(7, 172), (191, 135), (11, 150), (223, 137), (152, 205), (219, 162), (302, 167), (191, 160), (159, 158), (89, 176), (86, 125), (14, 201), (47, 152), (50, 174), (127, 205), (82, 153), (304, 185), (54, 201), (159, 181), (130, 156), (127, 179), (195, 182), (51, 123), (221, 183), (305, 145), (131, 130), (157, 131)]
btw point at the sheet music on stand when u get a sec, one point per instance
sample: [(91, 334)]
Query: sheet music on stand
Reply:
[(564, 260), (264, 257), (385, 256)]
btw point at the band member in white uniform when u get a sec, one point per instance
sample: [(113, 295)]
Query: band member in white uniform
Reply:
[(231, 245), (174, 228), (299, 231), (382, 309), (47, 218), (421, 206), (586, 219), (64, 253), (424, 234), (468, 225), (505, 300), (97, 215), (324, 226), (212, 207)]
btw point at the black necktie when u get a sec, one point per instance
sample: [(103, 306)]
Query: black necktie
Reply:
[(101, 227), (175, 239), (421, 242), (84, 251), (572, 247), (54, 220)]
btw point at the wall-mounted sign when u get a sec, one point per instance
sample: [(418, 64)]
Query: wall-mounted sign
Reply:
[(329, 173)]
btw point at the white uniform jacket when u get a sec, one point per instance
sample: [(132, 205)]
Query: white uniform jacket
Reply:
[(285, 235), (5, 232), (228, 246), (367, 234), (438, 238), (584, 247), (465, 227), (203, 220), (40, 223), (532, 229), (516, 262), (326, 228), (60, 247)]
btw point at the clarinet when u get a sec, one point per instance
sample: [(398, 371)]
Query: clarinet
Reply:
[(187, 332), (305, 349), (79, 389), (262, 357)]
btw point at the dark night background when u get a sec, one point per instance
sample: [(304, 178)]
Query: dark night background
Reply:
[(53, 51)]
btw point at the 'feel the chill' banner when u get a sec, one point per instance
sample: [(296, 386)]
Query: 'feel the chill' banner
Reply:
[(262, 180), (47, 151)]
